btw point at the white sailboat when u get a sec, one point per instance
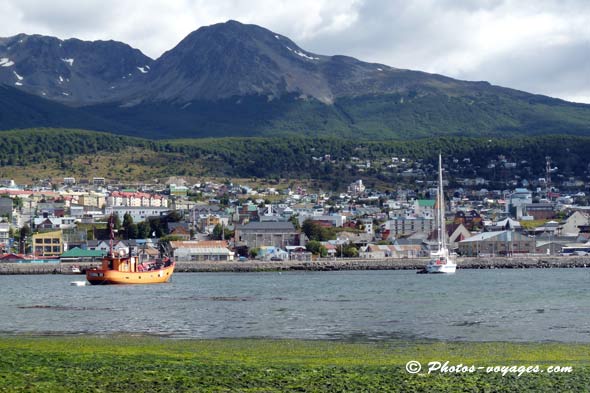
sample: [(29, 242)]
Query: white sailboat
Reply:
[(442, 261)]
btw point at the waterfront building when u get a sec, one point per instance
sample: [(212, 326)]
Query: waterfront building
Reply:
[(48, 244), (277, 234), (501, 243)]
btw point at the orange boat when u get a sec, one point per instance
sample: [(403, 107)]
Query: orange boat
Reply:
[(121, 269)]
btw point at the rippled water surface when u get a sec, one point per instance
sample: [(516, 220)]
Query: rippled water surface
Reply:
[(512, 305)]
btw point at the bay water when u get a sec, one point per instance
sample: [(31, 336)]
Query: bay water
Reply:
[(532, 305)]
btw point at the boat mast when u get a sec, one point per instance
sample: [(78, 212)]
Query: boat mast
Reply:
[(441, 208), (112, 237)]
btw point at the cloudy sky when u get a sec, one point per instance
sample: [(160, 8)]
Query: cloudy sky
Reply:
[(540, 46)]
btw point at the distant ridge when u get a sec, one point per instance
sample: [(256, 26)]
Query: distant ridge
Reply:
[(232, 79)]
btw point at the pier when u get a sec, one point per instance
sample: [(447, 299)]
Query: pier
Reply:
[(321, 265)]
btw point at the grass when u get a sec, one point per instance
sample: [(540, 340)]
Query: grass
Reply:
[(148, 364)]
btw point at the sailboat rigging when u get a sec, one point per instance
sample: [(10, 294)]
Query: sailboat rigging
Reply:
[(442, 261)]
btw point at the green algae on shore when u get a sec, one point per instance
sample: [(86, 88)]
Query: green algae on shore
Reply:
[(142, 364)]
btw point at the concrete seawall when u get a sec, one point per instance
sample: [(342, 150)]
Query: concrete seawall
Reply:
[(322, 265)]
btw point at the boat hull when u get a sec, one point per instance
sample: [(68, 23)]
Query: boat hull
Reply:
[(448, 268), (108, 277)]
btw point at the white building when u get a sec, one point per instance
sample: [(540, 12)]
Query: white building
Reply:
[(356, 188), (136, 199), (517, 200), (138, 214), (4, 234)]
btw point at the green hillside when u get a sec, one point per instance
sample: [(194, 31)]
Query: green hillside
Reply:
[(41, 153), (496, 113)]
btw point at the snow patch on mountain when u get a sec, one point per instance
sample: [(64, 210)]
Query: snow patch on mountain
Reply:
[(6, 62), (305, 55), (69, 61), (20, 78), (143, 69)]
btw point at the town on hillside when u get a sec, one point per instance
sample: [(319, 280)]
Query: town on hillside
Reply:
[(65, 220)]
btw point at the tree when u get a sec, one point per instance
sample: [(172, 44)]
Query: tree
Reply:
[(295, 221), (143, 230), (127, 220), (216, 234), (317, 248), (132, 231), (314, 231), (254, 252), (25, 231), (313, 246), (117, 221), (350, 251), (17, 203), (170, 238), (173, 216)]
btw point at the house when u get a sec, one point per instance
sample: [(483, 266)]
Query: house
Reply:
[(331, 248), (92, 200), (6, 207), (178, 190), (497, 243), (180, 230), (539, 211), (101, 245), (271, 253), (212, 250), (356, 188), (505, 224), (79, 255), (400, 226), (552, 247), (376, 251), (277, 234), (98, 181), (333, 220), (246, 212), (470, 219), (11, 257), (571, 226), (54, 222), (138, 214), (411, 248), (48, 244), (356, 238), (455, 233), (299, 253), (4, 235), (424, 208)]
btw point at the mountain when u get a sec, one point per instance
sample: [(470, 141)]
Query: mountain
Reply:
[(19, 109), (232, 79), (70, 71)]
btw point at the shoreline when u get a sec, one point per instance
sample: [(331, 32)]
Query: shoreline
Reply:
[(529, 262), (124, 364)]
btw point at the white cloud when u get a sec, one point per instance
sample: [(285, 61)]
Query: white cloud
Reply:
[(539, 46)]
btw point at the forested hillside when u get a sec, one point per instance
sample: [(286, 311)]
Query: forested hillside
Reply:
[(57, 152)]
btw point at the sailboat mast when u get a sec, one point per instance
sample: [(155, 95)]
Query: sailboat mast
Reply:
[(441, 207), (112, 235)]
